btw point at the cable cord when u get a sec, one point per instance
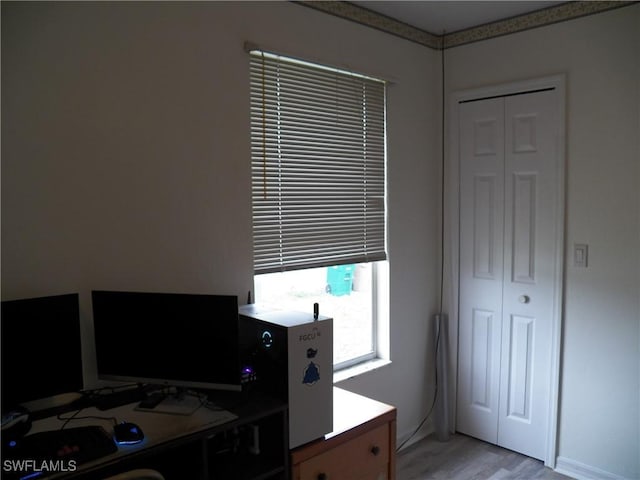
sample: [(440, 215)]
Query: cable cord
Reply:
[(75, 416), (435, 397), (442, 213), (442, 181)]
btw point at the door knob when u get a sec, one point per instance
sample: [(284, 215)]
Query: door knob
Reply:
[(524, 299)]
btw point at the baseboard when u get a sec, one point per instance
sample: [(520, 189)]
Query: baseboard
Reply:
[(582, 471)]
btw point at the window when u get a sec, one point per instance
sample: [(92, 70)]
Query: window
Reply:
[(318, 194)]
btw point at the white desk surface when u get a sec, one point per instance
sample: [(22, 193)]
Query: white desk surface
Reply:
[(158, 428)]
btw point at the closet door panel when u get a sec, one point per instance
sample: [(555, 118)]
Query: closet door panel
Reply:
[(481, 267), (529, 257)]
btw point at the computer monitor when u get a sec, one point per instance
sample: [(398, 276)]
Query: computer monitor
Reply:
[(174, 339), (41, 349)]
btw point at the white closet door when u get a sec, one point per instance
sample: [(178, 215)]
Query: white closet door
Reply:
[(481, 266), (531, 206), (508, 211)]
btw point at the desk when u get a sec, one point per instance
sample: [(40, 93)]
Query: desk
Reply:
[(191, 446)]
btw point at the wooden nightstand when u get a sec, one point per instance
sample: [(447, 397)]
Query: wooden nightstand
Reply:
[(361, 447)]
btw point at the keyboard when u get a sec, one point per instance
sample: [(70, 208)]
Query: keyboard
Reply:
[(106, 401), (57, 449)]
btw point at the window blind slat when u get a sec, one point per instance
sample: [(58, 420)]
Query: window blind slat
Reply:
[(318, 166)]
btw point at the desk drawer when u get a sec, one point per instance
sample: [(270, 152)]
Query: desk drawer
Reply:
[(365, 457)]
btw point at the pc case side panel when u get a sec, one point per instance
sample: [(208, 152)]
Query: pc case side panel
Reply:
[(310, 381), (263, 348)]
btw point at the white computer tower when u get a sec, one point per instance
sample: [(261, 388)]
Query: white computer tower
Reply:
[(291, 355)]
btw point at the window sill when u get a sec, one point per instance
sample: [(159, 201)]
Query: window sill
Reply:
[(359, 369)]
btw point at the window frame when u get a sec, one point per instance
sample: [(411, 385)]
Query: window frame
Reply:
[(373, 354), (374, 260)]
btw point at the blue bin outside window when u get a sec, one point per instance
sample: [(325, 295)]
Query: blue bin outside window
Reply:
[(340, 279)]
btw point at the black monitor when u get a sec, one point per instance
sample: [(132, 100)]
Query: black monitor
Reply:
[(174, 339), (41, 349)]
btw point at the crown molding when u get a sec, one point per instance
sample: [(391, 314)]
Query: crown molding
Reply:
[(539, 18), (369, 18)]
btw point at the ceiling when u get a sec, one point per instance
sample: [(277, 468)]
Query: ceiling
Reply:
[(438, 17)]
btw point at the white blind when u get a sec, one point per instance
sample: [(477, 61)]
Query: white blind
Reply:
[(318, 165)]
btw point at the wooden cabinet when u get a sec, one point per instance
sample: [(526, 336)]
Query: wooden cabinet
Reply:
[(361, 446)]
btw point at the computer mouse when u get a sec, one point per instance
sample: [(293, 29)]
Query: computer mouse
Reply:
[(127, 433)]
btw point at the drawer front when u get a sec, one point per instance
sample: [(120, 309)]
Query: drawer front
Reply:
[(365, 457)]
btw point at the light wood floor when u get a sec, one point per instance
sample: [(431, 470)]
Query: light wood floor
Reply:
[(465, 458)]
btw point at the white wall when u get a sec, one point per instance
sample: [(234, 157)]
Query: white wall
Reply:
[(125, 164), (599, 424), (125, 157)]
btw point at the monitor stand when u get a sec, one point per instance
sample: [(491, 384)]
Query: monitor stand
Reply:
[(179, 403)]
